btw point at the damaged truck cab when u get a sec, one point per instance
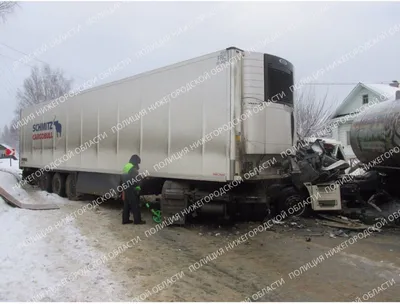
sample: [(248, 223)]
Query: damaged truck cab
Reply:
[(266, 175)]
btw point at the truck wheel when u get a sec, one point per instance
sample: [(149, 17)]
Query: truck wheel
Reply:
[(70, 187), (290, 200), (26, 173), (45, 182), (58, 184), (173, 200)]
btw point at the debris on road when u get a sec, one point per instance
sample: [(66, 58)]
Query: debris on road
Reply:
[(350, 226), (341, 233), (342, 222), (339, 219), (316, 234)]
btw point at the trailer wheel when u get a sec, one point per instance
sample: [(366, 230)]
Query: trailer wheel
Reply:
[(26, 173), (70, 187), (58, 184), (290, 200), (173, 200), (45, 182)]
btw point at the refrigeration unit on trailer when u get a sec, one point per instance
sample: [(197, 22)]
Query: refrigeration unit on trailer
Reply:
[(197, 125)]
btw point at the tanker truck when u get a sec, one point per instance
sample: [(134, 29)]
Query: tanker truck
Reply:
[(375, 131), (218, 122), (375, 140)]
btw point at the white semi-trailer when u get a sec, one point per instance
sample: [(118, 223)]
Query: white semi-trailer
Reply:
[(197, 125)]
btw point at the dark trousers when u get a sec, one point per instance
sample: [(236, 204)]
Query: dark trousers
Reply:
[(131, 204)]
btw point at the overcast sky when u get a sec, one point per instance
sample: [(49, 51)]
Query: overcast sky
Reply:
[(318, 37)]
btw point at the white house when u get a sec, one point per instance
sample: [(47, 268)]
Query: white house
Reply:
[(362, 94)]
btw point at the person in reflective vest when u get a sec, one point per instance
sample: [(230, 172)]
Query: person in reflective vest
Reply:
[(131, 195)]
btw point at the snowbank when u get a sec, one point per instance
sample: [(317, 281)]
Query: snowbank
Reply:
[(9, 177), (13, 169)]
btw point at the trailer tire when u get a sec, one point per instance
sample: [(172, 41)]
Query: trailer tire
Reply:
[(26, 173), (45, 183), (58, 184), (174, 200), (289, 198), (70, 187)]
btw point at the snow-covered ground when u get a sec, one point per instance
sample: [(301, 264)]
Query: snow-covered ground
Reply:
[(5, 181), (26, 271), (13, 169), (9, 178)]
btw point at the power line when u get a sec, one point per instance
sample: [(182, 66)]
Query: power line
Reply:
[(12, 86), (14, 49), (8, 78), (8, 88), (21, 52), (14, 59), (10, 74), (11, 89)]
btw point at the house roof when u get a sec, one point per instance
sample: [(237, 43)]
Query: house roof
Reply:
[(383, 89), (380, 89)]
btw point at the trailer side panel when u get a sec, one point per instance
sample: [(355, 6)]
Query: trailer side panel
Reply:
[(155, 134)]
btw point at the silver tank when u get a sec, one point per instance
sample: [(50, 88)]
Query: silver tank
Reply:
[(375, 131)]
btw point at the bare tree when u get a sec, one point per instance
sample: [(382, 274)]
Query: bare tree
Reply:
[(312, 112), (13, 137), (7, 7), (6, 137), (42, 85)]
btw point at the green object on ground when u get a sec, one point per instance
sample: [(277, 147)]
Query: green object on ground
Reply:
[(156, 214)]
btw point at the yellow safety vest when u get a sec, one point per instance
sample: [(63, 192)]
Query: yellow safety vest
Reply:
[(126, 169)]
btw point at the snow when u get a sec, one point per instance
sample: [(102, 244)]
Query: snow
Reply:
[(9, 177), (14, 168), (28, 270), (383, 89)]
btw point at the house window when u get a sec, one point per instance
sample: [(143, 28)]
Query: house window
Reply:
[(348, 137), (365, 99)]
